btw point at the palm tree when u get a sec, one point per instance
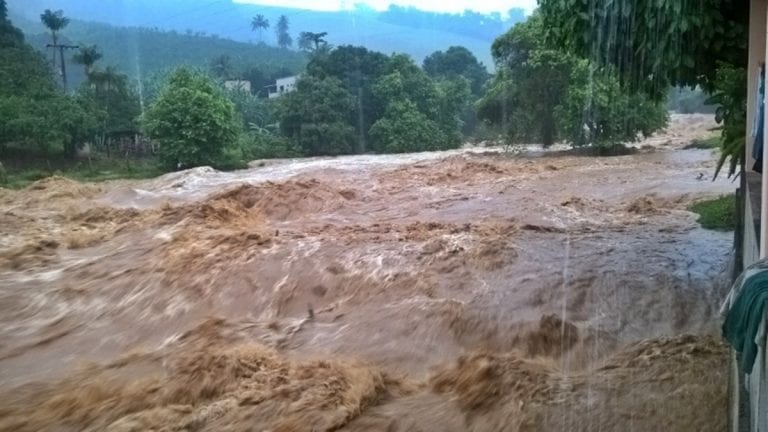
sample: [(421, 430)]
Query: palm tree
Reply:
[(259, 24), (284, 39), (55, 21), (87, 56), (221, 67), (309, 41), (107, 80)]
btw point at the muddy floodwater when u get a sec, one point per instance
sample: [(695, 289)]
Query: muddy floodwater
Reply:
[(473, 290)]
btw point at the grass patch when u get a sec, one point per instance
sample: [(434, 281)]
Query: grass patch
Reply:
[(82, 170), (712, 142), (717, 214)]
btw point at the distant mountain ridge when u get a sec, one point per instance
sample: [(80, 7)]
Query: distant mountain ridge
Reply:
[(399, 29), (143, 53)]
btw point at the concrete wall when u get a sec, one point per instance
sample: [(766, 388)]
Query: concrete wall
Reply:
[(282, 86), (740, 394)]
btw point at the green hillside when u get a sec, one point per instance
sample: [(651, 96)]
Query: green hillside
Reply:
[(143, 53), (398, 29)]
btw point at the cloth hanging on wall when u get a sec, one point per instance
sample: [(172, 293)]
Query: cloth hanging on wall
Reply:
[(759, 122), (743, 312)]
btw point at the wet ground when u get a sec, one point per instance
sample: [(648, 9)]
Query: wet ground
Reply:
[(470, 290)]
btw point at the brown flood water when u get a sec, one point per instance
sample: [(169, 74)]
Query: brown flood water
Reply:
[(462, 291)]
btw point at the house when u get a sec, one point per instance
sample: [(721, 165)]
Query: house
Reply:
[(749, 392), (238, 85), (282, 86)]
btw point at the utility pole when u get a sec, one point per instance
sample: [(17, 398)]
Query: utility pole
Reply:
[(61, 49), (357, 77), (360, 117)]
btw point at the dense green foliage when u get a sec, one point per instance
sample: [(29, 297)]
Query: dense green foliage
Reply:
[(142, 53), (114, 104), (407, 30), (653, 44), (453, 65), (717, 214), (192, 121), (403, 128), (381, 88), (598, 110), (457, 62), (730, 96), (405, 82), (350, 100), (316, 115), (357, 68), (34, 114), (255, 145), (310, 41), (530, 84), (23, 172), (542, 94)]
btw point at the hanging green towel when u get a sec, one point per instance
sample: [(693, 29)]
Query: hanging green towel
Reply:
[(744, 317)]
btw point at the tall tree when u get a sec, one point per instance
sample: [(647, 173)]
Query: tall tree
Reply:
[(541, 94), (316, 117), (192, 120), (258, 24), (55, 22), (403, 128), (10, 36), (34, 113), (284, 39), (221, 67), (113, 101), (405, 90), (531, 83), (87, 56), (457, 61), (309, 41), (357, 68), (654, 44)]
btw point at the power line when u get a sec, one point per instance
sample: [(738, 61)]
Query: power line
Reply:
[(61, 48)]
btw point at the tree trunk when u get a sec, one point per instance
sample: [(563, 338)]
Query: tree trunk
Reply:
[(360, 119), (548, 129)]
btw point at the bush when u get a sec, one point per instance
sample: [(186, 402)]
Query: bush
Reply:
[(717, 214), (266, 146), (404, 129), (599, 111), (704, 144), (192, 120), (316, 117)]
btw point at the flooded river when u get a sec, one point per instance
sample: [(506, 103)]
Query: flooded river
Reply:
[(470, 290)]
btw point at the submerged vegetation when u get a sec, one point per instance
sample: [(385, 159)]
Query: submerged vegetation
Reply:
[(717, 214), (710, 143)]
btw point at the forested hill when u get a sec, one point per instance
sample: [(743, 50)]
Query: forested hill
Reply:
[(398, 29), (143, 52)]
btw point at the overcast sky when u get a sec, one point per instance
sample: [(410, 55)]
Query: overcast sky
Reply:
[(484, 6)]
